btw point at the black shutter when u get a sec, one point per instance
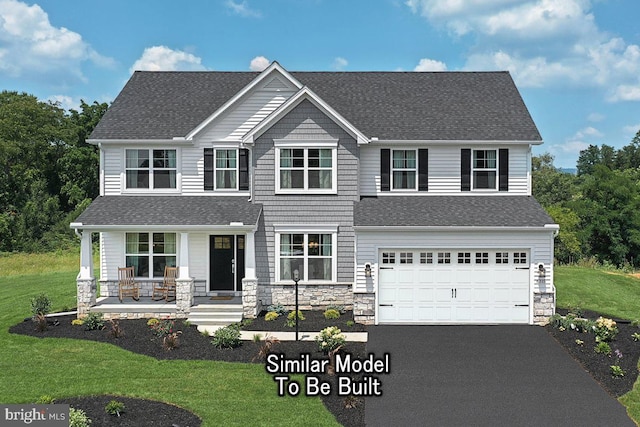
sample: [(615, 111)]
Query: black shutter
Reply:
[(385, 169), (503, 165), (244, 169), (208, 169), (423, 170), (465, 169)]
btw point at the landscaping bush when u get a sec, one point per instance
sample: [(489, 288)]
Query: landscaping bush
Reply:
[(291, 318), (171, 341), (77, 322), (339, 308), (603, 348), (605, 329), (330, 338), (114, 408), (331, 313), (78, 418), (227, 337), (162, 328), (115, 330), (40, 304), (278, 308), (41, 322), (271, 316), (94, 321)]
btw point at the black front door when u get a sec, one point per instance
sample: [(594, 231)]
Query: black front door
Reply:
[(226, 263)]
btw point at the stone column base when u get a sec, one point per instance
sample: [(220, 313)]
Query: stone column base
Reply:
[(544, 306), (185, 289), (250, 306), (364, 310), (86, 295)]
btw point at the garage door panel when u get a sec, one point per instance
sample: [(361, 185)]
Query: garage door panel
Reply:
[(457, 289)]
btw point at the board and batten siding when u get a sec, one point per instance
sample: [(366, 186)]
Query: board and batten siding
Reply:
[(444, 168), (369, 243), (305, 123)]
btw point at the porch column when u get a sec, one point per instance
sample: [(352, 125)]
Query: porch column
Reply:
[(185, 285), (250, 281), (85, 282)]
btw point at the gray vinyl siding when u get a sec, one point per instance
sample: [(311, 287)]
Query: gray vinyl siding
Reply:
[(305, 122)]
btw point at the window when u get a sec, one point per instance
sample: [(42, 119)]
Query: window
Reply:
[(403, 169), (464, 257), (502, 257), (306, 169), (520, 258), (160, 172), (444, 257), (426, 258), (484, 169), (406, 258), (311, 254), (388, 257), (226, 169), (482, 257), (149, 253)]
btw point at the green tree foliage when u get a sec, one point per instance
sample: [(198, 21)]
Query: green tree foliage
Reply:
[(47, 170), (568, 247), (550, 184)]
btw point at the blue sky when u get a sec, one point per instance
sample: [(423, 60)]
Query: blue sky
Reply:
[(576, 62)]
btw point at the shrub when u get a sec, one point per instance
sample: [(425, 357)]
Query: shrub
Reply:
[(602, 348), (171, 341), (271, 316), (227, 337), (278, 308), (77, 322), (615, 369), (331, 313), (162, 328), (94, 321), (635, 336), (115, 330), (605, 329), (291, 318), (330, 338), (41, 322), (265, 348), (45, 399), (78, 418), (151, 322), (351, 402), (339, 308), (114, 408), (40, 304), (350, 323)]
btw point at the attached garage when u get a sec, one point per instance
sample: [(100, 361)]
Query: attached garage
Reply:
[(453, 286)]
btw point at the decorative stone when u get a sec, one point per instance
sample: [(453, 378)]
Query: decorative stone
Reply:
[(86, 295)]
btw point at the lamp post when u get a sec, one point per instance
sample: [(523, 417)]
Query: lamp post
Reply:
[(296, 279)]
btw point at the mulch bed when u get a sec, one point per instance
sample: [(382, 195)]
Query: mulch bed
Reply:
[(598, 365), (139, 338)]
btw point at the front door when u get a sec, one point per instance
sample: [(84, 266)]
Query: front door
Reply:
[(226, 263)]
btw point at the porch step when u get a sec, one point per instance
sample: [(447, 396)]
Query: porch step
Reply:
[(211, 317)]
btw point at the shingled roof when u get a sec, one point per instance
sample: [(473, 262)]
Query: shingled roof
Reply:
[(169, 210), (435, 106), (450, 211)]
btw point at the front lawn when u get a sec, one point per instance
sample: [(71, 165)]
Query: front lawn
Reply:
[(220, 393)]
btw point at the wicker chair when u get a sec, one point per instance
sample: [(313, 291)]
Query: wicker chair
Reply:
[(127, 286), (167, 289)]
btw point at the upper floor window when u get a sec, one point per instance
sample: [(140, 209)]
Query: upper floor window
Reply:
[(404, 169), (151, 169), (226, 169), (484, 169), (306, 168)]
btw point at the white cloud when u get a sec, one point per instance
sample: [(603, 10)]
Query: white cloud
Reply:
[(65, 101), (589, 131), (162, 58), (340, 63), (243, 9), (259, 63), (596, 117), (570, 147), (631, 130), (32, 46), (542, 42), (427, 64)]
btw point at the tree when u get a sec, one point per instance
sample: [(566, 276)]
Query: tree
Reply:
[(568, 247), (550, 185)]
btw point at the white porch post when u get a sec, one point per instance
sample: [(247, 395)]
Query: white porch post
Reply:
[(85, 282), (185, 285), (250, 281)]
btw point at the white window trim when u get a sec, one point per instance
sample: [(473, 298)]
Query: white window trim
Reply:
[(215, 170), (332, 229), (151, 254), (392, 169), (305, 145), (474, 169), (123, 176)]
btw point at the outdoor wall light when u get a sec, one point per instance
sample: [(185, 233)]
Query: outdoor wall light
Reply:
[(541, 270), (367, 270)]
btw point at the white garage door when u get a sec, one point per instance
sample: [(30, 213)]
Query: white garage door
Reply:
[(453, 286)]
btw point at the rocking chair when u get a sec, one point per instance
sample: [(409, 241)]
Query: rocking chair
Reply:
[(127, 286), (167, 289)]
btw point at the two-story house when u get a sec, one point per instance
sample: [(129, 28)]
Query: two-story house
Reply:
[(406, 195)]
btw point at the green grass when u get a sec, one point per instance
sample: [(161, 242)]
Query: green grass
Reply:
[(613, 294), (220, 393)]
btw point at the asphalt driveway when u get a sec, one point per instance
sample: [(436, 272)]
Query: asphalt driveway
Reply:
[(510, 375)]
